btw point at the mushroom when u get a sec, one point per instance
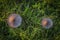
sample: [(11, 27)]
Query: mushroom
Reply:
[(14, 20), (47, 23)]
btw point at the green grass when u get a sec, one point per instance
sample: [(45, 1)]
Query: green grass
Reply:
[(31, 11)]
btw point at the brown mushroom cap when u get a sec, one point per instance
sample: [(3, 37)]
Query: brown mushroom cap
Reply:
[(14, 20), (44, 22), (11, 20), (47, 23)]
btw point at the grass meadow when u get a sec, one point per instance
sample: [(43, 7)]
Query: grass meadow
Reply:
[(32, 12)]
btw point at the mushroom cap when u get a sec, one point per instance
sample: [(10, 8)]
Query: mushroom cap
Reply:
[(14, 20), (47, 23), (44, 22)]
